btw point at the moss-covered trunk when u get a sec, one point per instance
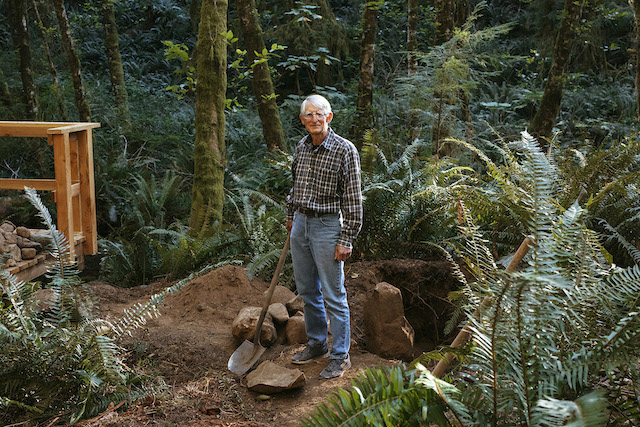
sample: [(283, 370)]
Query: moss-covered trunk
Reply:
[(549, 108), (364, 107), (17, 13), (209, 150), (51, 65), (116, 73), (84, 111), (412, 63), (262, 83), (636, 10)]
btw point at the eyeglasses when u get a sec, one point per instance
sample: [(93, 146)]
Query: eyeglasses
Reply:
[(309, 116)]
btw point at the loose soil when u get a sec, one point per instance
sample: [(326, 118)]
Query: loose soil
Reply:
[(189, 344)]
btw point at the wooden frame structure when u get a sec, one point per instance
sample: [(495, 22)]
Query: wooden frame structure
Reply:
[(73, 186)]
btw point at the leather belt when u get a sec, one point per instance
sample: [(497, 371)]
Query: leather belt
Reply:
[(309, 212)]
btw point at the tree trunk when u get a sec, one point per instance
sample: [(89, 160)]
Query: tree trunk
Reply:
[(210, 150), (412, 63), (194, 14), (635, 4), (17, 13), (84, 111), (52, 67), (364, 106), (261, 79), (445, 20), (116, 73), (545, 118)]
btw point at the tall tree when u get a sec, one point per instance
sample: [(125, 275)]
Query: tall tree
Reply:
[(636, 11), (84, 111), (449, 15), (211, 94), (17, 12), (549, 108), (445, 20), (52, 68), (412, 61), (364, 106), (261, 79), (116, 72)]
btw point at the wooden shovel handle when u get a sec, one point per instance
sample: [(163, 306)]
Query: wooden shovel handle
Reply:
[(272, 288), (464, 335)]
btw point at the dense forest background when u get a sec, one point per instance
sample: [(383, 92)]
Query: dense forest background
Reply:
[(487, 116), (402, 77)]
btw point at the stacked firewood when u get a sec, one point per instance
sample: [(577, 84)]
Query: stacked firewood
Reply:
[(18, 244)]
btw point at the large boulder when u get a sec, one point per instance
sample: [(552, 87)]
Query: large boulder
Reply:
[(244, 326), (270, 378), (387, 331)]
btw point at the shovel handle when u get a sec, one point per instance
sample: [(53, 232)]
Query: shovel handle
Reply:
[(272, 288)]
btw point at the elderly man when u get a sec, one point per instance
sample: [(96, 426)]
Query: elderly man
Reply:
[(324, 216)]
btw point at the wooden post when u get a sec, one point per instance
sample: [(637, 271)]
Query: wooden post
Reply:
[(62, 167), (88, 192)]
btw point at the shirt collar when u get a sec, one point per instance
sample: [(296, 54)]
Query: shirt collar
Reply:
[(328, 143)]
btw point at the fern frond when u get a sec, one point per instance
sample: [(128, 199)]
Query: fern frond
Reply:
[(590, 410)]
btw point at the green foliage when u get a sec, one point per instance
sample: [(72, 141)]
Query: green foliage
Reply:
[(406, 201), (380, 397), (60, 360), (542, 336)]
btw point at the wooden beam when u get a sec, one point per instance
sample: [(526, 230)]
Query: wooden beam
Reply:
[(19, 184), (42, 129)]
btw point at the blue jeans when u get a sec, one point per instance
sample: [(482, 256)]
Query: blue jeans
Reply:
[(320, 281)]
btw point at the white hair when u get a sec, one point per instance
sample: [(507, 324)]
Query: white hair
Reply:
[(317, 101)]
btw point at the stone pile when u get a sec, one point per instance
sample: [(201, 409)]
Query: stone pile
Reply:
[(18, 244), (284, 321)]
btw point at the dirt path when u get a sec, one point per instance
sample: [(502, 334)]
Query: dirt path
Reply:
[(189, 346)]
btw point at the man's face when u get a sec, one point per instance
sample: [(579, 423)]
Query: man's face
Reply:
[(314, 121)]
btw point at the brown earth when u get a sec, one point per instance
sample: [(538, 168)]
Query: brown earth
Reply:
[(189, 345)]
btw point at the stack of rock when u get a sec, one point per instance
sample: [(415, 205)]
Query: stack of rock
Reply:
[(17, 244), (284, 321)]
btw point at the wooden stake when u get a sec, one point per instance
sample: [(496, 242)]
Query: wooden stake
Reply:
[(465, 334)]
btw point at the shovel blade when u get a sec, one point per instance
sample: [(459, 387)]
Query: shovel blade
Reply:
[(245, 357)]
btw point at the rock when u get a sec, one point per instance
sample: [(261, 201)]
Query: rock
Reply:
[(43, 237), (279, 313), (269, 378), (10, 262), (295, 304), (28, 253), (295, 330), (387, 331), (9, 237), (244, 326), (281, 295), (26, 243), (23, 232), (7, 226), (14, 252)]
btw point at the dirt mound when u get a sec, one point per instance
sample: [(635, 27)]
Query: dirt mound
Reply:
[(189, 345)]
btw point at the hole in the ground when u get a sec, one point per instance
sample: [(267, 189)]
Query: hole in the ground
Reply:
[(425, 286)]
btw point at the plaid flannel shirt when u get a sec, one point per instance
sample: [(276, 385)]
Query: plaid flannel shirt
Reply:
[(327, 180)]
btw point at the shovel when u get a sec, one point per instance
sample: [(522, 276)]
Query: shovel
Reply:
[(249, 352)]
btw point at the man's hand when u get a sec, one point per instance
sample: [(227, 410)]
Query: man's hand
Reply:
[(342, 253), (289, 225)]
